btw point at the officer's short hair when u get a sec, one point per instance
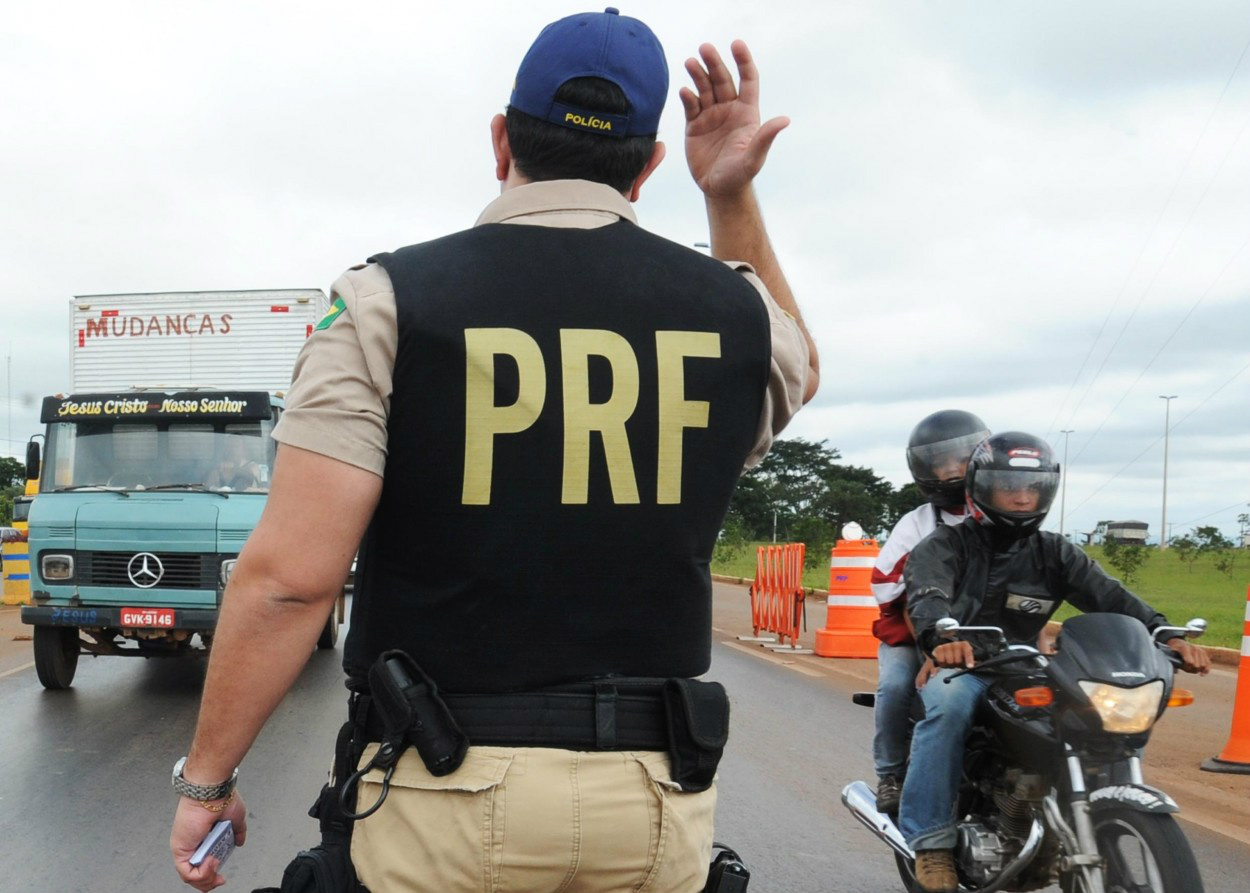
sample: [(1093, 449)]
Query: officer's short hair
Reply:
[(546, 151)]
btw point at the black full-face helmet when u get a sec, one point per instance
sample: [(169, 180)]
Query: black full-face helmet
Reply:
[(1011, 482), (938, 451)]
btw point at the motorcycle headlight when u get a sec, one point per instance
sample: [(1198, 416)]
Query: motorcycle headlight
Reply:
[(1125, 710)]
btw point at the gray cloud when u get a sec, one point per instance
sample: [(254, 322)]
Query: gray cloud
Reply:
[(964, 195)]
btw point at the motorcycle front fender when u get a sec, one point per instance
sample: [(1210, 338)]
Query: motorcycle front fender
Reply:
[(1140, 797)]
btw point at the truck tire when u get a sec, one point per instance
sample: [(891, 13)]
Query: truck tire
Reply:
[(330, 632), (56, 655)]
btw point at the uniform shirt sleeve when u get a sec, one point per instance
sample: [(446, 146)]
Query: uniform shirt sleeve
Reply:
[(787, 374), (341, 389)]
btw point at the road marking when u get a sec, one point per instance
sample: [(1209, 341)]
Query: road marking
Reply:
[(1227, 829), (17, 669), (774, 659)]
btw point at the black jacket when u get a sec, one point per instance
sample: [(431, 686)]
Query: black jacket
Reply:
[(956, 572)]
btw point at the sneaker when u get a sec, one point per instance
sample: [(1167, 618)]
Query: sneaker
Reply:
[(889, 791), (935, 871)]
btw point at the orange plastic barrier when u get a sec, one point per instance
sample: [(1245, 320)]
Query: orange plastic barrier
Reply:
[(1235, 757), (777, 593), (852, 609)]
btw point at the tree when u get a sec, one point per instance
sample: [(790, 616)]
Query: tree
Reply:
[(1226, 562), (1186, 550), (801, 481), (1209, 539), (12, 473), (817, 536), (905, 499), (731, 542), (788, 482), (1125, 559), (12, 483), (855, 494), (1100, 531)]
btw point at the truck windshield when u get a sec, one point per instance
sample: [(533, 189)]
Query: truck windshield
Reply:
[(224, 456)]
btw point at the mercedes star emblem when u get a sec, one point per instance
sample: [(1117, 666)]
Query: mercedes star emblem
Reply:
[(145, 570)]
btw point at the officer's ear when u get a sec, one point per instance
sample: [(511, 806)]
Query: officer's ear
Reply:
[(657, 155), (503, 152)]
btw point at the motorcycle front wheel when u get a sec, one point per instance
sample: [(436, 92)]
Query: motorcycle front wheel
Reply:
[(1144, 852)]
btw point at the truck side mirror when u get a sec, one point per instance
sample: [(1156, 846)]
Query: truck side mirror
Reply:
[(32, 460)]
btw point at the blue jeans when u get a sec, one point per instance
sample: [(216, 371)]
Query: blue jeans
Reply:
[(927, 812), (897, 666)]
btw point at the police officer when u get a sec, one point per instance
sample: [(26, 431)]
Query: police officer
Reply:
[(536, 424)]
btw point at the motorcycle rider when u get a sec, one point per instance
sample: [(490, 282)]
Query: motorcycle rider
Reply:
[(995, 569), (937, 456)]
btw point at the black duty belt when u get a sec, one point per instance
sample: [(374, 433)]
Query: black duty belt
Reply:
[(591, 716)]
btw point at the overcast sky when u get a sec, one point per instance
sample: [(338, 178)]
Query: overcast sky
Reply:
[(1039, 212)]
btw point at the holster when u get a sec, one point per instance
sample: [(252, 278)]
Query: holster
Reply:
[(327, 867), (698, 727)]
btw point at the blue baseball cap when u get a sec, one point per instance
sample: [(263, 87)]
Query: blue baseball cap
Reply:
[(604, 45)]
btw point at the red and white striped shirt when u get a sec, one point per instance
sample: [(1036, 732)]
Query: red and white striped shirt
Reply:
[(887, 573)]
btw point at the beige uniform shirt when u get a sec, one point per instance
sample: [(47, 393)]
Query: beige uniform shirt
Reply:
[(340, 394)]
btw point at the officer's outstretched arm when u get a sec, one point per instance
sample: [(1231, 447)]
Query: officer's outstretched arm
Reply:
[(726, 146)]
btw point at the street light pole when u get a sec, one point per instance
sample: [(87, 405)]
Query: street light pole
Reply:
[(1163, 523), (1063, 498)]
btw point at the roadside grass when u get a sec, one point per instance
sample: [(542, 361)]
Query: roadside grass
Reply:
[(1180, 590)]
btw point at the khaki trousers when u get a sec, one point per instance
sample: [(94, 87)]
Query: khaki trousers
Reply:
[(534, 820)]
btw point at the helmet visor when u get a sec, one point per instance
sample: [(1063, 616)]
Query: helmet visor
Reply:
[(946, 460), (1015, 492)]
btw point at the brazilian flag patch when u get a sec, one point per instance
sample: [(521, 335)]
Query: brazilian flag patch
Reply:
[(336, 310)]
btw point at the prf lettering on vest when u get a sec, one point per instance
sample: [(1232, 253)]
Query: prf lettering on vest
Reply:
[(484, 420)]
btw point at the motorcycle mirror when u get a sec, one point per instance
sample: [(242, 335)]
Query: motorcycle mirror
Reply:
[(1196, 627), (947, 628)]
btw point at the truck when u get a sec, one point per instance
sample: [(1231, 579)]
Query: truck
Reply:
[(155, 468)]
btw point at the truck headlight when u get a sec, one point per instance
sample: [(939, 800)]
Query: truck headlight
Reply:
[(227, 568), (56, 566), (1125, 710)]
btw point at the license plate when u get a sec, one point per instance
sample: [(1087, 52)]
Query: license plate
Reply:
[(161, 618)]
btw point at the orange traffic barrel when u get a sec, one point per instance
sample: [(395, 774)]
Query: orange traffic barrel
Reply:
[(851, 607), (1235, 757)]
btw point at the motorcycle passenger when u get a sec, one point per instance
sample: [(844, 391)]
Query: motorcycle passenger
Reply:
[(937, 456), (995, 569)]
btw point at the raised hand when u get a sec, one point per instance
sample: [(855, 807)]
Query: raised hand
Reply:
[(726, 145)]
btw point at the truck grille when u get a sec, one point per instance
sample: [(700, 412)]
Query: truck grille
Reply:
[(182, 570)]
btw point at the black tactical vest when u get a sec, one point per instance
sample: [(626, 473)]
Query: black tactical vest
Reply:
[(571, 412)]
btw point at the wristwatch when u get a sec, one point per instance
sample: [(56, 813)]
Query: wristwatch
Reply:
[(219, 791)]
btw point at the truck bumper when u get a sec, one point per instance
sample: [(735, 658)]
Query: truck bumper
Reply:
[(111, 617)]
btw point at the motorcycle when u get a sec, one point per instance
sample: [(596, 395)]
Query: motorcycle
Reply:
[(1052, 787)]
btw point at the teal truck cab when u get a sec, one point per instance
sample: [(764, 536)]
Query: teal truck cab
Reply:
[(146, 498)]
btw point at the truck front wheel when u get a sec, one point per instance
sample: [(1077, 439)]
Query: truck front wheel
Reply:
[(56, 655), (330, 632)]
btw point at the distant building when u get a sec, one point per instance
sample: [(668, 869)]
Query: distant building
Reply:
[(1127, 533)]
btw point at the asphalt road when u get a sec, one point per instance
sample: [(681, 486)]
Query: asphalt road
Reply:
[(85, 802)]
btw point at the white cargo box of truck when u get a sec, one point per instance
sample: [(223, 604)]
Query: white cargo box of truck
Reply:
[(245, 340)]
